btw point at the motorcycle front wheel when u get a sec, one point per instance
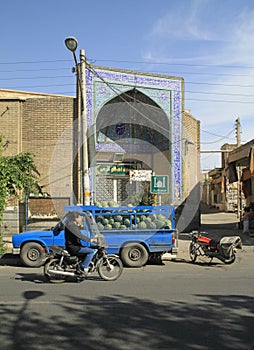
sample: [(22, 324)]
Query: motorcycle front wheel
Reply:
[(193, 252), (54, 277), (110, 268)]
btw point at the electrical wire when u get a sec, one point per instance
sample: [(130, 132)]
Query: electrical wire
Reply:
[(220, 137), (119, 93)]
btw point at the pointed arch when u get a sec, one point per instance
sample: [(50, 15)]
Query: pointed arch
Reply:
[(133, 117)]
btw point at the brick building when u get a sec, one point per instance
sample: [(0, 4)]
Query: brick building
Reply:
[(136, 121)]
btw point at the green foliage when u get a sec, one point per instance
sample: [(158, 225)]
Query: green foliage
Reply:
[(3, 247), (18, 176)]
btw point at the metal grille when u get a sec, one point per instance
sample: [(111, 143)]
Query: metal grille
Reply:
[(122, 193), (104, 189)]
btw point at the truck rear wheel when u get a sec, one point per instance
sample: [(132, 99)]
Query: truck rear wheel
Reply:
[(32, 254), (134, 255)]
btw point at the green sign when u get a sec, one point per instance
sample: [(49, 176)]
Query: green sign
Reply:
[(111, 169), (159, 184)]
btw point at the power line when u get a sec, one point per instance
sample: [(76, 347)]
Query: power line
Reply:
[(32, 78), (175, 64), (33, 62), (135, 62), (221, 137), (147, 63), (188, 98), (33, 70)]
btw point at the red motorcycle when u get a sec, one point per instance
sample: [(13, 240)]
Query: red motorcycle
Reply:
[(223, 249)]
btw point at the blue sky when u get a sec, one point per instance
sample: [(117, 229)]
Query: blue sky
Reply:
[(207, 42)]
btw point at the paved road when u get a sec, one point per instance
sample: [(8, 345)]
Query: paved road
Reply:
[(217, 224), (173, 306)]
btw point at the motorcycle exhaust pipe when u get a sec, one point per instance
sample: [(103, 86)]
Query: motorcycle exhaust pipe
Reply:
[(62, 273)]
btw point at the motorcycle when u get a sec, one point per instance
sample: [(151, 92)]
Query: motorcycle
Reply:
[(223, 249), (60, 265)]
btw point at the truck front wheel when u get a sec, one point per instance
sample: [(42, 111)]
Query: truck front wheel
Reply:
[(32, 254), (134, 255)]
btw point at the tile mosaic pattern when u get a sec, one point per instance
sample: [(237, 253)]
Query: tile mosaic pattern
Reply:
[(166, 92)]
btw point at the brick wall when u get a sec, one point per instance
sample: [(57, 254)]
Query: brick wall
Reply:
[(39, 207), (189, 211), (10, 121), (190, 152), (47, 132), (42, 125)]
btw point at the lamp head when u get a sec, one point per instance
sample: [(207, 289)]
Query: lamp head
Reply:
[(71, 43)]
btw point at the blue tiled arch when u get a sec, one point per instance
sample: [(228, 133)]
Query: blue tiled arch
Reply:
[(165, 91)]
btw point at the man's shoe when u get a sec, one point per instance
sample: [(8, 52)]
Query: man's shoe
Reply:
[(85, 271)]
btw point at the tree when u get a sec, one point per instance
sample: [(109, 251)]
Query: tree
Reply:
[(18, 177)]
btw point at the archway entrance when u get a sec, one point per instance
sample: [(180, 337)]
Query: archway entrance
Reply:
[(133, 133)]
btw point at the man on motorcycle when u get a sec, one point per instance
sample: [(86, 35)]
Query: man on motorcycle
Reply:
[(73, 236)]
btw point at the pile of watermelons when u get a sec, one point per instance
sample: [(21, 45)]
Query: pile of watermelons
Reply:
[(137, 221)]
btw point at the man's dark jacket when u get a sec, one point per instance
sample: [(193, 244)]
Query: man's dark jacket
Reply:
[(72, 238)]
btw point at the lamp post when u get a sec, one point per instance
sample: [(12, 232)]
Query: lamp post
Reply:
[(72, 44)]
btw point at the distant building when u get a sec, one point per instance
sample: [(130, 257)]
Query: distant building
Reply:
[(241, 170), (229, 188)]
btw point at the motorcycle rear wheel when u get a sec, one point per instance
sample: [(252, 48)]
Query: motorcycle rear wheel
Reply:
[(110, 268), (53, 265), (193, 252), (231, 260)]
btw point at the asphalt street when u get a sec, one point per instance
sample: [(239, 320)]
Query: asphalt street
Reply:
[(177, 305), (217, 224)]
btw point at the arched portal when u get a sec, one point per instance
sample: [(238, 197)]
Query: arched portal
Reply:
[(132, 133)]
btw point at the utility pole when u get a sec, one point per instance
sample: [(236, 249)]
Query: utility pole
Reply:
[(72, 44), (84, 155), (239, 189), (238, 132)]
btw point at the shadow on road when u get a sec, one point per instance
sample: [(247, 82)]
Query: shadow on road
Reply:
[(124, 322), (10, 260)]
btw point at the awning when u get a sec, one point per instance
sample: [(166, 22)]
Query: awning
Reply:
[(239, 155), (242, 156)]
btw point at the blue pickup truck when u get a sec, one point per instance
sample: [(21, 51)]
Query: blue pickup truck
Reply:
[(136, 234)]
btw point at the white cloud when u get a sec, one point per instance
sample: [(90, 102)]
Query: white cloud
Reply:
[(219, 37)]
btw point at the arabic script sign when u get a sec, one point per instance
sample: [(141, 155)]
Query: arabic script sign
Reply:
[(140, 175), (111, 169)]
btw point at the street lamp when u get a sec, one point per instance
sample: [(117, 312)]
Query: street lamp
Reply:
[(72, 44)]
